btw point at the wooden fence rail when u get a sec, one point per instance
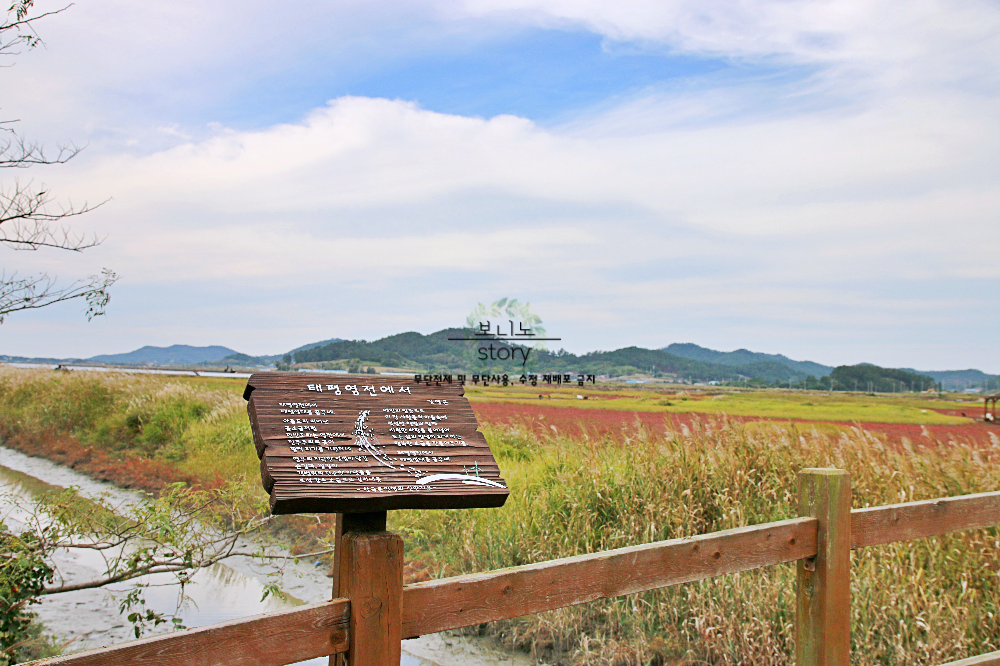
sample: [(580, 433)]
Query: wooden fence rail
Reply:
[(991, 659), (274, 639), (463, 601), (817, 541), (915, 520)]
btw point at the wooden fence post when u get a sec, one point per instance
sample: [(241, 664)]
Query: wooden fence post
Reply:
[(823, 593), (368, 570)]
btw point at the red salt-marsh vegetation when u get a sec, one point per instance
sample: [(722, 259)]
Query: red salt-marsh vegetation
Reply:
[(546, 419)]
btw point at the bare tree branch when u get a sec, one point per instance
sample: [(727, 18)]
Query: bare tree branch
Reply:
[(26, 225), (19, 30), (17, 294), (16, 152), (29, 217)]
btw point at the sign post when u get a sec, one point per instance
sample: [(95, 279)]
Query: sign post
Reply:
[(360, 446)]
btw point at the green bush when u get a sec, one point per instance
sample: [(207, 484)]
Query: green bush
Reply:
[(23, 574)]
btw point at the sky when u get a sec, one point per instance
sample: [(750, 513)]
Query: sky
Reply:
[(809, 177)]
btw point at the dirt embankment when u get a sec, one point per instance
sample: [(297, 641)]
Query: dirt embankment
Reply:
[(122, 469)]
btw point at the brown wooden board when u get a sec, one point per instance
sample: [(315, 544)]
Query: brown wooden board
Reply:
[(274, 639), (463, 601), (915, 520), (363, 443), (991, 659)]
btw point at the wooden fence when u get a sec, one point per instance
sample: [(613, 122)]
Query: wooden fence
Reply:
[(373, 611)]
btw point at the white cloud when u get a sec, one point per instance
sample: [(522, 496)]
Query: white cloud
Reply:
[(892, 167), (862, 31), (780, 219)]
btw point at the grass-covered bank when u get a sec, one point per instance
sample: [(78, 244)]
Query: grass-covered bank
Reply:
[(922, 602), (138, 431)]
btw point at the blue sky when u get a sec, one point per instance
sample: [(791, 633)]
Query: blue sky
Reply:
[(811, 178)]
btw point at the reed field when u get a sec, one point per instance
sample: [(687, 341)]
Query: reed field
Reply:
[(616, 481)]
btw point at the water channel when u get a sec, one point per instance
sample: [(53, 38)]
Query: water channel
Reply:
[(90, 618)]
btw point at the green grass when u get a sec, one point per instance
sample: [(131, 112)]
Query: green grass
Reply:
[(921, 602)]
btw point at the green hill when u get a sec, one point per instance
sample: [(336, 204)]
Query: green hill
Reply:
[(745, 358), (431, 352), (436, 353), (868, 377)]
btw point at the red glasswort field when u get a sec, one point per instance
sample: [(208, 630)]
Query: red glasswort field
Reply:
[(547, 421)]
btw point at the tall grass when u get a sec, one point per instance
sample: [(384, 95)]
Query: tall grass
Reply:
[(921, 602)]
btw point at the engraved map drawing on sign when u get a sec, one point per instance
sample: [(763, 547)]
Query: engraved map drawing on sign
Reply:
[(368, 444)]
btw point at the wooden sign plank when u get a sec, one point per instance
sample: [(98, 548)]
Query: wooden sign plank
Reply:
[(352, 444)]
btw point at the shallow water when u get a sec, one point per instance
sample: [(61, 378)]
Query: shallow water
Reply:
[(90, 618)]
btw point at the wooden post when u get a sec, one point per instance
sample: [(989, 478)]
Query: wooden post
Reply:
[(368, 570), (823, 608)]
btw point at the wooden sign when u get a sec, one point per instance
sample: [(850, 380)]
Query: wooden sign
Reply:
[(365, 443)]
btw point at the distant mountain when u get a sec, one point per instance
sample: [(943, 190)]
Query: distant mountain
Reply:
[(172, 355), (436, 353), (956, 380), (36, 359), (313, 345), (246, 360), (745, 359), (637, 359), (434, 350)]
